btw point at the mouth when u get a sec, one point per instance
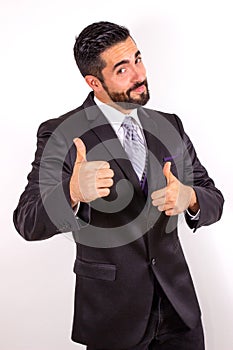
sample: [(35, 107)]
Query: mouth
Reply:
[(139, 89)]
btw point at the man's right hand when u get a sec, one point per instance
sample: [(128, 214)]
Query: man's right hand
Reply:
[(89, 180)]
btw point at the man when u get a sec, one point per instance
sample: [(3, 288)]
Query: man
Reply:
[(117, 175)]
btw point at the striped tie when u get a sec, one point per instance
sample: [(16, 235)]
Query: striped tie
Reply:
[(134, 147)]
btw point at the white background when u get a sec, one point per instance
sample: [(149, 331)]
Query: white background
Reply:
[(187, 49)]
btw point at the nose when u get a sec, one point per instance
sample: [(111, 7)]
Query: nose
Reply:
[(138, 74)]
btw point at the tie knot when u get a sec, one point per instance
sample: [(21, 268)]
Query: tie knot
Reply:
[(129, 122)]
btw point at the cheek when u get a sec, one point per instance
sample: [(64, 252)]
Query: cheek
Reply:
[(120, 84), (143, 70)]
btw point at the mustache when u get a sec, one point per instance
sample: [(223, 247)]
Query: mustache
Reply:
[(137, 85)]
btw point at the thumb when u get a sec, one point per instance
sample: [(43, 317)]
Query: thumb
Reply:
[(81, 150), (167, 172)]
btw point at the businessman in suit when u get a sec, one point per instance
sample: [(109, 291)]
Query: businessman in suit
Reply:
[(117, 175)]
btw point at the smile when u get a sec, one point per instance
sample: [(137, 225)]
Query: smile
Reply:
[(140, 89)]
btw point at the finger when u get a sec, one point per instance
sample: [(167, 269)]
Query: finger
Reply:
[(81, 150), (103, 192), (159, 194), (167, 171), (104, 183), (158, 202), (105, 173), (165, 207), (99, 164), (171, 212)]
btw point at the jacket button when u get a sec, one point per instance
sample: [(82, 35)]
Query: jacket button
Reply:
[(153, 261)]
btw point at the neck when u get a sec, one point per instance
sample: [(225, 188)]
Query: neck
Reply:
[(110, 103)]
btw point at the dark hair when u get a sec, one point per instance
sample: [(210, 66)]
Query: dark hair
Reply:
[(94, 40)]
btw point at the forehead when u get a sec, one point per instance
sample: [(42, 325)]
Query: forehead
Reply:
[(125, 50)]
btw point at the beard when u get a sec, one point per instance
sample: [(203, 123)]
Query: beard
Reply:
[(124, 99)]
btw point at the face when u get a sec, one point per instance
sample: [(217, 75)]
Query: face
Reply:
[(125, 84)]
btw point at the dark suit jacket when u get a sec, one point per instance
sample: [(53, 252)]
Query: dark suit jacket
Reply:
[(123, 242)]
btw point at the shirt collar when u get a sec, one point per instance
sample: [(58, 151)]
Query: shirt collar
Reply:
[(114, 116)]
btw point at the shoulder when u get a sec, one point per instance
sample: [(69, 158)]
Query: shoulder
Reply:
[(162, 117), (52, 124), (69, 119)]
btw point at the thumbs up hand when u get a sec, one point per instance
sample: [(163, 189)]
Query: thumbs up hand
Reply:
[(89, 180), (175, 197)]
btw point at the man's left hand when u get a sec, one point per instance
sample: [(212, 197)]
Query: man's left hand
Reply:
[(175, 198)]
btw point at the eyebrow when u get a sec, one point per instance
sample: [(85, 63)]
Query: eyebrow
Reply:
[(125, 61)]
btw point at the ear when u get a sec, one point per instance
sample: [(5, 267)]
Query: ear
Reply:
[(93, 82)]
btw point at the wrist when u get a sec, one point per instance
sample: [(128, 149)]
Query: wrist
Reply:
[(74, 200), (193, 205), (73, 203)]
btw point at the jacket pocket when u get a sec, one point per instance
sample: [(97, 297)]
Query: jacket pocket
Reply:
[(100, 271)]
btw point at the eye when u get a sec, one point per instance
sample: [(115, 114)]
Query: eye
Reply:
[(121, 71), (138, 60)]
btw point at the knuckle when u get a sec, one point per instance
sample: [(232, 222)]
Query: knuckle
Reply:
[(173, 202), (105, 192), (105, 165)]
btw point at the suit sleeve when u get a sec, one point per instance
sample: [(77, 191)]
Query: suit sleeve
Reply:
[(44, 207), (210, 199)]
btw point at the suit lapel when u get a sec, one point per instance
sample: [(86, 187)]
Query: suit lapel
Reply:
[(110, 143), (113, 150), (151, 130), (155, 177)]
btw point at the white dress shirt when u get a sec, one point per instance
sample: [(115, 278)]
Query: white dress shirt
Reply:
[(116, 118)]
